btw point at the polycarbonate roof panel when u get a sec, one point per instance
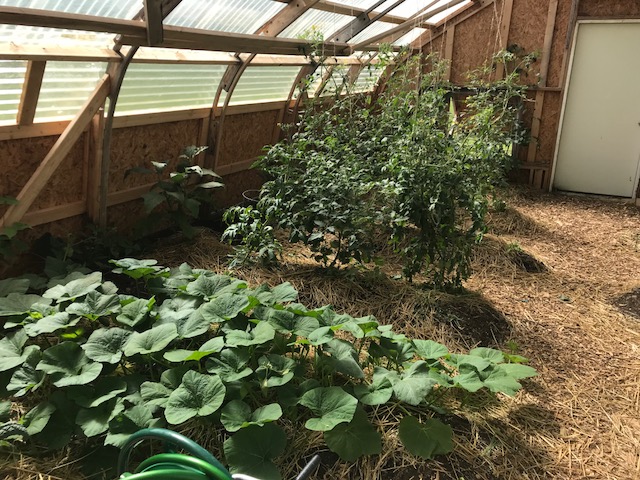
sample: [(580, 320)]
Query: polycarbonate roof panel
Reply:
[(410, 37), (153, 87), (102, 8), (66, 86), (405, 9), (11, 82), (371, 31), (326, 23), (261, 84), (440, 16), (238, 16)]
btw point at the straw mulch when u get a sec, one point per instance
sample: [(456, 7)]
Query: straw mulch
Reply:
[(555, 281)]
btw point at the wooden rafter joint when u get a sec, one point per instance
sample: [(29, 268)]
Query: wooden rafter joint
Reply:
[(153, 18)]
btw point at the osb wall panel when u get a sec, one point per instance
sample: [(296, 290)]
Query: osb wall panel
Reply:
[(603, 8), (528, 24), (123, 217), (139, 146), (244, 135), (476, 40), (20, 158), (549, 124)]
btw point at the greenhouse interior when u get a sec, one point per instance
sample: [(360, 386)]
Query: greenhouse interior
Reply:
[(319, 239)]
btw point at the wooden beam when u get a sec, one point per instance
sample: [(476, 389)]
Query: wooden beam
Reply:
[(285, 17), (53, 214), (96, 135), (153, 18), (57, 154), (30, 92), (545, 61), (342, 9), (503, 32), (448, 50)]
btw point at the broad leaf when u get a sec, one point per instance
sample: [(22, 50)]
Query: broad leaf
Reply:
[(135, 312), (95, 421), (154, 393), (274, 370), (51, 324), (284, 293), (425, 440), (105, 389), (139, 268), (468, 380), (75, 288), (198, 395), (106, 344), (19, 304), (37, 418), (236, 415), (150, 341), (231, 366), (331, 405), (12, 350), (344, 358), (261, 333), (489, 354), (476, 362), (287, 322), (67, 364), (190, 326), (5, 411), (321, 335), (124, 424), (414, 384), (14, 285), (207, 286), (518, 371), (354, 439), (429, 350), (378, 393), (224, 307), (214, 345), (251, 451), (27, 378), (95, 305), (499, 381)]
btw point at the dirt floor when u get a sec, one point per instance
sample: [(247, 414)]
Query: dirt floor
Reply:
[(557, 280)]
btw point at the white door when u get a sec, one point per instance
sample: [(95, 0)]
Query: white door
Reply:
[(599, 146)]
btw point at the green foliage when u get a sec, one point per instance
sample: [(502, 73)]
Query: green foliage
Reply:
[(183, 197), (10, 248), (401, 166), (209, 350)]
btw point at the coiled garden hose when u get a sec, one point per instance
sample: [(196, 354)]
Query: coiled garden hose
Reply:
[(199, 464)]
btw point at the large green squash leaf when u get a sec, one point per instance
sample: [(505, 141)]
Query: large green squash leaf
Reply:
[(12, 350), (331, 405), (150, 341), (75, 288), (135, 312), (104, 389), (51, 324), (252, 449), (354, 439), (237, 414), (261, 333), (125, 423), (19, 304), (198, 395), (274, 370), (430, 350), (231, 366), (14, 285), (414, 384), (378, 392), (95, 421), (26, 378), (425, 440), (67, 364), (224, 307), (106, 344), (95, 305), (210, 347)]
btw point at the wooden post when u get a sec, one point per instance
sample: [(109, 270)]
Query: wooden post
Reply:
[(57, 154), (448, 50), (505, 26), (538, 179), (96, 137), (30, 92)]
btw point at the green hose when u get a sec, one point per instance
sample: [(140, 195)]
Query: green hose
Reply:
[(201, 466)]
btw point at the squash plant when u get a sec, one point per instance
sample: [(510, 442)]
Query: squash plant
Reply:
[(194, 346)]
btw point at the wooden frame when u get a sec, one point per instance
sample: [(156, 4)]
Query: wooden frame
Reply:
[(30, 92)]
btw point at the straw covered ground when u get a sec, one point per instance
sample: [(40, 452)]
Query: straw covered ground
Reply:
[(557, 279)]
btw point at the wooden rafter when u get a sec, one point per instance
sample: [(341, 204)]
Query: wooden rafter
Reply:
[(57, 154), (30, 92), (505, 27), (153, 18), (342, 9)]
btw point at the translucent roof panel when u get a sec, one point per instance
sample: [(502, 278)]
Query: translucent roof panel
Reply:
[(101, 8), (406, 9), (371, 31), (53, 36), (368, 78), (312, 21), (442, 15), (153, 87), (11, 81), (262, 84), (238, 16), (66, 86), (410, 37)]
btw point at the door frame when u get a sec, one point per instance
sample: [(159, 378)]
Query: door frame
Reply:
[(565, 94)]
